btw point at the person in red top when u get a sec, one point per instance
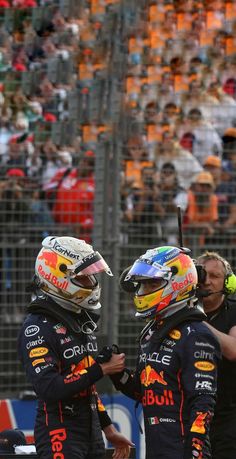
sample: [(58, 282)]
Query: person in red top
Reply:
[(74, 196), (202, 211)]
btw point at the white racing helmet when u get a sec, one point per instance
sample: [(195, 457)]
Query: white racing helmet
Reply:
[(66, 268)]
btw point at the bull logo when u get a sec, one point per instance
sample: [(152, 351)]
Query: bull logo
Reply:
[(150, 376), (50, 259)]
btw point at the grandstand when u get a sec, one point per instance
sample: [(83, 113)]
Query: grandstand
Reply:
[(131, 85)]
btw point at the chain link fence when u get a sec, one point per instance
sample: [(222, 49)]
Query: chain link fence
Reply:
[(122, 230)]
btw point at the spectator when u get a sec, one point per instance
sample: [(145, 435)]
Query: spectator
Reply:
[(74, 198), (50, 161), (217, 290), (9, 439), (143, 212), (229, 148), (171, 196), (224, 110), (225, 189), (136, 159), (14, 231), (16, 154), (41, 219), (202, 210), (14, 206), (186, 165), (206, 139)]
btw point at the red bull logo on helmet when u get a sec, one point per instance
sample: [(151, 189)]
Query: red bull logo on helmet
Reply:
[(53, 279), (189, 279), (50, 259)]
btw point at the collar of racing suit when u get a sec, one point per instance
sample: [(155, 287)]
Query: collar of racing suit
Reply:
[(163, 327), (42, 304)]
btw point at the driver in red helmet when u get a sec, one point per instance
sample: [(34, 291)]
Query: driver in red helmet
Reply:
[(176, 375)]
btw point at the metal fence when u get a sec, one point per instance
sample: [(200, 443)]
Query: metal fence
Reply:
[(116, 237), (119, 242)]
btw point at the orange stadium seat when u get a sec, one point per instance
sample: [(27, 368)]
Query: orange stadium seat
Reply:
[(230, 10), (97, 7), (90, 133), (85, 72), (156, 13), (213, 20), (154, 73), (181, 83), (184, 22), (230, 46), (206, 38), (133, 85)]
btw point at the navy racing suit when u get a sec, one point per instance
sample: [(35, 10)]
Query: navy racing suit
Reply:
[(59, 361), (175, 381)]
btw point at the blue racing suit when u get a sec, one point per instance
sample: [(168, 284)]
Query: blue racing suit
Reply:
[(175, 381), (59, 362)]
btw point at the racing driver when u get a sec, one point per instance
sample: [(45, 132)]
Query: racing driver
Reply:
[(176, 375), (58, 349)]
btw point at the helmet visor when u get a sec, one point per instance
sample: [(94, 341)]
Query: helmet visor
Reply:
[(144, 270), (92, 264), (150, 285), (89, 282)]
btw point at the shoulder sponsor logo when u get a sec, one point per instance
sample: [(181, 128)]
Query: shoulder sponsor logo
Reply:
[(204, 376), (37, 362), (204, 366), (202, 344), (31, 330), (203, 385), (80, 350), (37, 342), (203, 355), (175, 334), (38, 352), (60, 329), (66, 340)]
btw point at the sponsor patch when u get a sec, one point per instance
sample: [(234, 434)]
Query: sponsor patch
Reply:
[(37, 362), (175, 334), (154, 420), (203, 385), (204, 366), (60, 329), (198, 424), (37, 342), (38, 352), (31, 330), (150, 376)]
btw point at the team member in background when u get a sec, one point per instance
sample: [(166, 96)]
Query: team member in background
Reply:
[(58, 350), (176, 374), (216, 289)]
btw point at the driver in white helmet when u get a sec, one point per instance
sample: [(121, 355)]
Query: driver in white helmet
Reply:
[(58, 349), (176, 374)]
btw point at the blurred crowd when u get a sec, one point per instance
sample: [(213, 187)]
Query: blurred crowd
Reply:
[(176, 106), (180, 123)]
